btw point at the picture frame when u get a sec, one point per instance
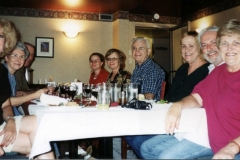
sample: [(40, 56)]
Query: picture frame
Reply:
[(44, 47)]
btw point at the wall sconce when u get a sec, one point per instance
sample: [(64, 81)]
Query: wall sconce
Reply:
[(71, 34)]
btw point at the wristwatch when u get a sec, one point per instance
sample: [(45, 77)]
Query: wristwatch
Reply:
[(9, 117)]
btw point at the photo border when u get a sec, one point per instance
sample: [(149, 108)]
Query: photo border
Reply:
[(49, 53)]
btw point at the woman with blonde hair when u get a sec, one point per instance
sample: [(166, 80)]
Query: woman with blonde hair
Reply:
[(194, 70)]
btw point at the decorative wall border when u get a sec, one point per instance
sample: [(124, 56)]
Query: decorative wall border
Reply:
[(228, 4), (30, 12)]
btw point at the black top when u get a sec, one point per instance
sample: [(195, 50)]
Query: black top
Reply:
[(183, 83), (5, 90)]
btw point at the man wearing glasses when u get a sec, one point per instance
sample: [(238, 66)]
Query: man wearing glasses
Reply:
[(149, 77)]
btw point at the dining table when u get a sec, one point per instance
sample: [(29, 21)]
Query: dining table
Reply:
[(57, 123)]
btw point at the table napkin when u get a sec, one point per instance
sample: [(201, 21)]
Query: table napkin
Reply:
[(52, 100)]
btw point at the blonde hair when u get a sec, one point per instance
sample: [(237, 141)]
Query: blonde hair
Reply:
[(10, 35), (194, 34)]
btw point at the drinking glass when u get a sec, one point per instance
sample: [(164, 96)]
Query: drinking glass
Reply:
[(103, 102), (72, 91), (87, 90), (95, 89)]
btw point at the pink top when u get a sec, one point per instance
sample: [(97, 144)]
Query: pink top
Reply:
[(102, 77), (220, 92)]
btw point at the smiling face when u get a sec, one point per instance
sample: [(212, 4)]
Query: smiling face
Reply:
[(189, 49), (209, 47), (140, 51), (95, 63), (15, 60), (229, 46), (113, 61)]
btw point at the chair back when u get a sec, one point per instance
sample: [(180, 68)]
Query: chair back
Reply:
[(162, 94)]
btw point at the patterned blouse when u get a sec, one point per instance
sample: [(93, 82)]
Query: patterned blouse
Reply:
[(122, 77)]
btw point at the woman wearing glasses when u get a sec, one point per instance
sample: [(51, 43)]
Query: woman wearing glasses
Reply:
[(98, 74), (116, 62), (16, 133), (13, 62)]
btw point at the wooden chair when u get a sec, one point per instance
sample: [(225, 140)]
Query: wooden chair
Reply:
[(162, 94), (124, 145), (124, 148)]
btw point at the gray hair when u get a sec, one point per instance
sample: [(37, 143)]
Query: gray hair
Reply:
[(232, 27), (211, 28), (141, 39), (21, 46)]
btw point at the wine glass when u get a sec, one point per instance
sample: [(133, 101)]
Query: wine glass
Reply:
[(95, 89), (72, 91), (88, 90)]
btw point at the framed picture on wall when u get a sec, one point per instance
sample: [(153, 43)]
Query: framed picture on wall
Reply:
[(44, 47)]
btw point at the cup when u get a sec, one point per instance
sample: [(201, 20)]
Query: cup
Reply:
[(131, 91), (122, 98), (103, 100), (115, 90)]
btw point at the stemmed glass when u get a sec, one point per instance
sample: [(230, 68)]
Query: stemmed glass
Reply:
[(88, 90), (72, 91), (95, 89)]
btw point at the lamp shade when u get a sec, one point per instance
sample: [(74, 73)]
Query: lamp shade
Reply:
[(71, 34)]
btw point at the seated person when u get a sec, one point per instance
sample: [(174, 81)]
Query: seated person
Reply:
[(13, 62), (149, 76), (116, 62), (98, 74), (21, 75), (217, 97), (16, 133), (190, 73)]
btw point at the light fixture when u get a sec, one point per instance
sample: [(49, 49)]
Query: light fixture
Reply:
[(71, 34), (156, 16)]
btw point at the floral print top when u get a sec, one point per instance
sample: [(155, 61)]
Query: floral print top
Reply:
[(122, 77)]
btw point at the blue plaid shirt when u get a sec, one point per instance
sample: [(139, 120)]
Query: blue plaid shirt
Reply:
[(149, 76)]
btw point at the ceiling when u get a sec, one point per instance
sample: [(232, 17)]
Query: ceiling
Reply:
[(171, 8)]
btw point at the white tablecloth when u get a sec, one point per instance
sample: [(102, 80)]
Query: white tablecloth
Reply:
[(66, 123)]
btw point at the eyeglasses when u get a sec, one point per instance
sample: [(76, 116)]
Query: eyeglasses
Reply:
[(140, 49), (112, 59), (96, 61), (16, 56)]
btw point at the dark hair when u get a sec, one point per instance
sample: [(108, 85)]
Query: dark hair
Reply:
[(102, 59), (121, 56), (29, 44)]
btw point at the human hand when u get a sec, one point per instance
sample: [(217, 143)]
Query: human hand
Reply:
[(39, 92), (50, 90), (227, 152), (173, 118), (9, 132)]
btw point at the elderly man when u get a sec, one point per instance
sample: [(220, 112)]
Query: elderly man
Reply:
[(21, 75), (149, 76), (171, 147), (207, 39)]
